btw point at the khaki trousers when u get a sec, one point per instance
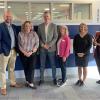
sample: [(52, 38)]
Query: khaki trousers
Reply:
[(10, 62)]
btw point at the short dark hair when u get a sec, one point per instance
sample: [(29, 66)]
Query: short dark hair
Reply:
[(46, 12)]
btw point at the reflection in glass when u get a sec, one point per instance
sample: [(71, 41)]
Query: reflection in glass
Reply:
[(62, 11), (82, 11), (19, 10), (2, 6)]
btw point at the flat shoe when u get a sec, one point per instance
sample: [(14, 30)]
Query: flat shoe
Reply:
[(16, 85), (32, 87)]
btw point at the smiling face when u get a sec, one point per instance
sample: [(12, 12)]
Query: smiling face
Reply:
[(28, 27), (47, 17), (83, 28), (63, 30), (8, 17)]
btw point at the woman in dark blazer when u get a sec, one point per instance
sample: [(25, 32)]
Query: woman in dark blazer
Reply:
[(82, 44)]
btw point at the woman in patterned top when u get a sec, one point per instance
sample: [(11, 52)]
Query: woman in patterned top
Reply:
[(28, 44)]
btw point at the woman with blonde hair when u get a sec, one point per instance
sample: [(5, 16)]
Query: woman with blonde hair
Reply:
[(28, 42), (82, 44), (63, 51)]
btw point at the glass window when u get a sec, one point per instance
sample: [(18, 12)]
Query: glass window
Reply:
[(82, 11), (62, 11), (20, 11), (37, 11), (2, 7)]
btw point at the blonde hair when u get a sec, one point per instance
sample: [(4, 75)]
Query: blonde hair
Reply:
[(66, 29), (83, 24), (23, 26)]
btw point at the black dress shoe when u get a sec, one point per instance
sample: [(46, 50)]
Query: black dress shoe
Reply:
[(55, 82), (98, 81), (41, 82)]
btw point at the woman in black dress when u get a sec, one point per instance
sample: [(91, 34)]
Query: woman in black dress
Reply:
[(82, 44), (97, 52)]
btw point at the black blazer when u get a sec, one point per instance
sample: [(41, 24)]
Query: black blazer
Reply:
[(5, 39)]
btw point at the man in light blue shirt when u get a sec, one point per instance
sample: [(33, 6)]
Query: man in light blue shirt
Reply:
[(8, 43)]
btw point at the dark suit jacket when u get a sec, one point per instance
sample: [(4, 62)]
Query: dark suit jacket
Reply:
[(51, 36), (5, 39)]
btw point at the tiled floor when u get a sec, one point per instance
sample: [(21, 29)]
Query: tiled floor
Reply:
[(91, 91)]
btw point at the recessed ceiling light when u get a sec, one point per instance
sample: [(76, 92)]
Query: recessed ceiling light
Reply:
[(64, 5), (9, 6), (2, 6), (26, 12), (53, 8), (49, 9), (46, 9)]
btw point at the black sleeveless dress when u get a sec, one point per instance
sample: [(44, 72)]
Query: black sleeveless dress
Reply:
[(82, 45)]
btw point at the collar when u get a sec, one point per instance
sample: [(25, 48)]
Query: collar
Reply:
[(8, 24)]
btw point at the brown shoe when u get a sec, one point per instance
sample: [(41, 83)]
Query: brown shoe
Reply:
[(3, 91), (16, 85)]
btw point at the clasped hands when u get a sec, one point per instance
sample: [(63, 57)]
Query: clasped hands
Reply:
[(46, 46), (28, 54)]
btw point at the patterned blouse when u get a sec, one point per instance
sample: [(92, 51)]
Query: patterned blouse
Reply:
[(28, 41)]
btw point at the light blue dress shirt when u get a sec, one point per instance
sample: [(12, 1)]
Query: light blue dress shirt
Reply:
[(11, 32)]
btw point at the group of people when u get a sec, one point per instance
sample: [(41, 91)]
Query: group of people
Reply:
[(49, 44)]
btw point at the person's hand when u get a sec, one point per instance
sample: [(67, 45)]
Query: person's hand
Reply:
[(29, 54), (80, 54), (64, 59), (34, 50), (25, 53), (46, 46)]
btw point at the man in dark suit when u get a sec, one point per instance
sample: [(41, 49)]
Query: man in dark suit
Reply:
[(47, 32), (8, 45)]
